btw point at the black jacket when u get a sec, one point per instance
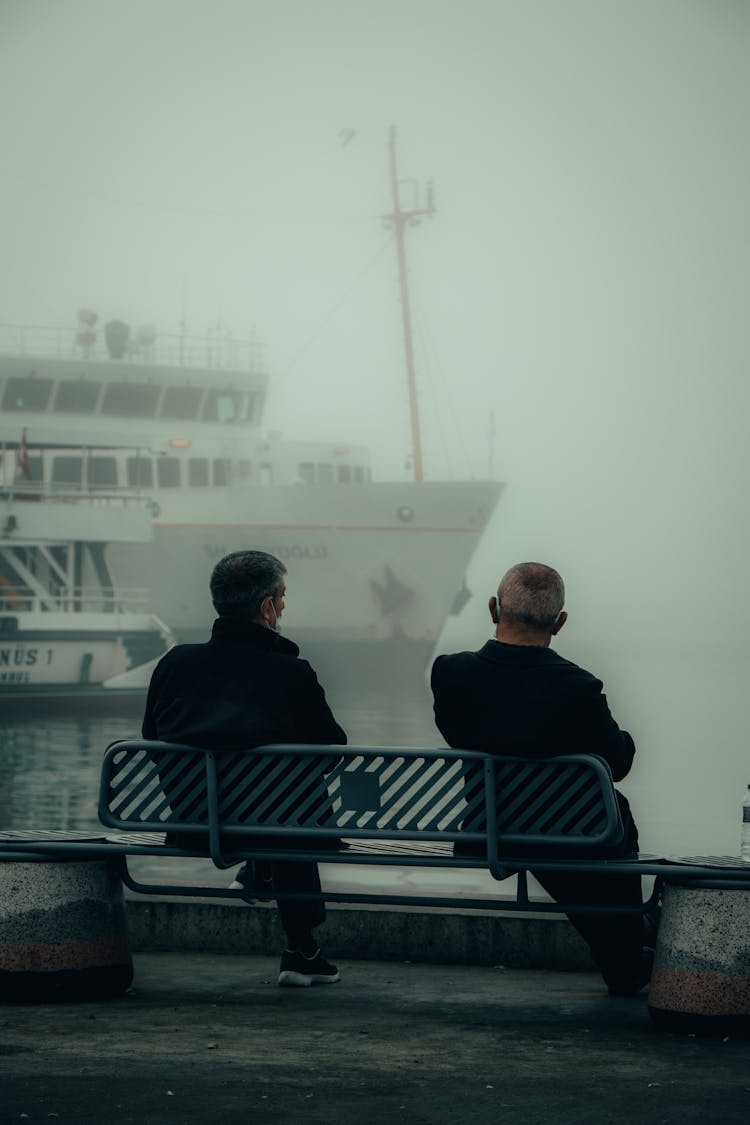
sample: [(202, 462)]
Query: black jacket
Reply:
[(244, 687), (525, 700)]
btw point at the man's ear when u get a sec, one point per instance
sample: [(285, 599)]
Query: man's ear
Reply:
[(494, 607), (265, 610), (562, 617)]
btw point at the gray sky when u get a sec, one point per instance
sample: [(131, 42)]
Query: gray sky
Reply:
[(585, 277)]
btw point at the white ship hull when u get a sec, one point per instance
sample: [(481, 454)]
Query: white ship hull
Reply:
[(73, 652), (383, 562)]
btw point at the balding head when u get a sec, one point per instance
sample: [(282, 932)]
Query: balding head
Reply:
[(530, 599)]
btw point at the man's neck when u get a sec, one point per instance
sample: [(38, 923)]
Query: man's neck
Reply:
[(511, 635)]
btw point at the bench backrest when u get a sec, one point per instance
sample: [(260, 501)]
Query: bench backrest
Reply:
[(360, 792)]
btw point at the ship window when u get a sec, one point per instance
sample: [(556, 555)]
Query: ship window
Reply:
[(245, 469), (67, 470), (198, 472), (102, 472), (222, 472), (181, 403), (27, 394), (140, 471), (36, 468), (345, 474), (77, 396), (325, 473), (224, 406), (131, 400), (306, 471), (168, 472), (359, 475)]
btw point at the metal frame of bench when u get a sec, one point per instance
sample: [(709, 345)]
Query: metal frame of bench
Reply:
[(392, 806)]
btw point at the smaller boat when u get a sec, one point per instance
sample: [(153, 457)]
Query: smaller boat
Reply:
[(66, 632)]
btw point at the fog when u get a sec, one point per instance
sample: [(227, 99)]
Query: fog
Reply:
[(580, 295)]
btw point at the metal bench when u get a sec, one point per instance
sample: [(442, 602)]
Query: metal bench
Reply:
[(391, 806), (366, 805)]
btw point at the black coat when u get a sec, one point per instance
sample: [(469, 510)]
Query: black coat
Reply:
[(525, 700), (244, 687)]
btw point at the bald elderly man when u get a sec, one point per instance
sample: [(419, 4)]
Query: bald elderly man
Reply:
[(516, 695)]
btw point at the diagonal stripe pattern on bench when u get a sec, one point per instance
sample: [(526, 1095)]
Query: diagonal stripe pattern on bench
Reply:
[(359, 792)]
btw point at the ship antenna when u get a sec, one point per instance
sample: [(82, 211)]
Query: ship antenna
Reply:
[(398, 219)]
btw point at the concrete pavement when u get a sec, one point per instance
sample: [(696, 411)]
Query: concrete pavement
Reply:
[(207, 1037)]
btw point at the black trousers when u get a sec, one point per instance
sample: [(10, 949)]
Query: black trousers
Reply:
[(302, 876), (615, 940), (298, 919)]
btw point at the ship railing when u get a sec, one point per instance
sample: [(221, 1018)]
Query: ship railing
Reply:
[(216, 348), (68, 493), (74, 599)]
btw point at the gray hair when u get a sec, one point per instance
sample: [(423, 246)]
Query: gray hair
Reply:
[(241, 581), (531, 595)]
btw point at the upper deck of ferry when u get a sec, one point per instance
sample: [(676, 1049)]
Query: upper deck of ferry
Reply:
[(169, 411), (136, 376)]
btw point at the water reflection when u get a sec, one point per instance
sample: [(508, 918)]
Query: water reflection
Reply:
[(49, 769)]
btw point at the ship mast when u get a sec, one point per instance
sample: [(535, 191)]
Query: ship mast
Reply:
[(398, 219)]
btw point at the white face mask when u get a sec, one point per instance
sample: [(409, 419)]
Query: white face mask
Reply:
[(276, 627)]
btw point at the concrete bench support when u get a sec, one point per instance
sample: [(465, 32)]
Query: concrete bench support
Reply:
[(701, 977), (62, 931)]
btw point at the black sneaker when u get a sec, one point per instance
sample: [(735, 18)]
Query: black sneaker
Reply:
[(245, 881), (253, 875), (298, 971), (242, 879)]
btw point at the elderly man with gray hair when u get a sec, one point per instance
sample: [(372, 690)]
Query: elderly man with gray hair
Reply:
[(246, 687), (517, 696)]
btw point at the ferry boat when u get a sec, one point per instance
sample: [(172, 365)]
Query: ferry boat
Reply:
[(66, 631), (375, 567)]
